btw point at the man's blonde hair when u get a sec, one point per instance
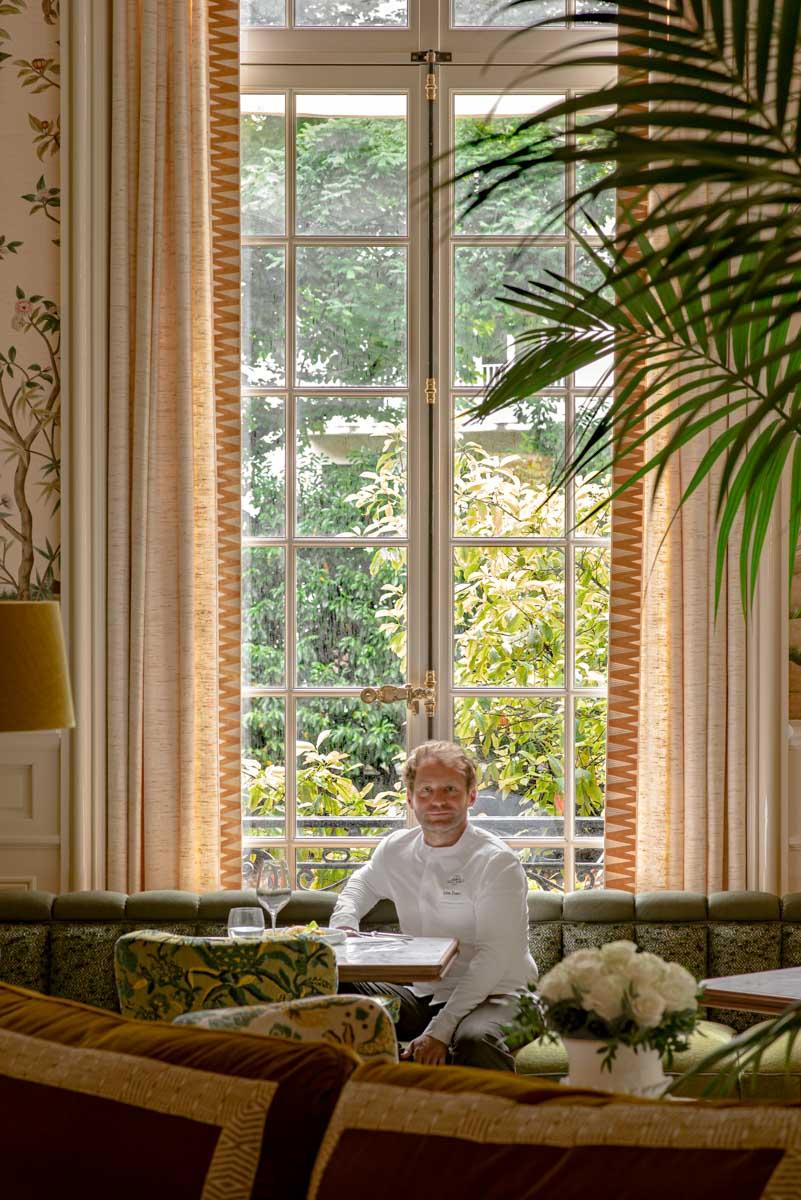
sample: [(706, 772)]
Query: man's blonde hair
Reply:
[(445, 752)]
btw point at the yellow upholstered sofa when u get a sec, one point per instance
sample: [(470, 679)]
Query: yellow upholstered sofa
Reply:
[(96, 1104)]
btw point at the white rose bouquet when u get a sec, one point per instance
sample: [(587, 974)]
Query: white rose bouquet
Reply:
[(614, 994)]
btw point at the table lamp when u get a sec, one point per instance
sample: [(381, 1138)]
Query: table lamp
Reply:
[(34, 679)]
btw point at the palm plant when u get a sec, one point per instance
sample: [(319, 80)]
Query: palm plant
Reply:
[(741, 1057), (700, 296)]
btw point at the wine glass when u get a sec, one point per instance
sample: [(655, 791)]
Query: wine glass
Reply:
[(272, 886)]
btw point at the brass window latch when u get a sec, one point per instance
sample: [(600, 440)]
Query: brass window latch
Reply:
[(431, 57), (389, 693)]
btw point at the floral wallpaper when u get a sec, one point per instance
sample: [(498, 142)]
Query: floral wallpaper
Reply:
[(30, 382)]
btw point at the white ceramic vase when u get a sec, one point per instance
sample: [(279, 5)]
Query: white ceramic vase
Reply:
[(634, 1070)]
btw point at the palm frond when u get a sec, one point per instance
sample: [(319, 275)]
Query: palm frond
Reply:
[(722, 83), (742, 1056), (700, 295), (685, 376)]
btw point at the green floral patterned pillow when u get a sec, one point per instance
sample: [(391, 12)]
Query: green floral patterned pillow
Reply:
[(161, 975), (361, 1023)]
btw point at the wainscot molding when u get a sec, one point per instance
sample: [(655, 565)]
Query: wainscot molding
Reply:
[(31, 811)]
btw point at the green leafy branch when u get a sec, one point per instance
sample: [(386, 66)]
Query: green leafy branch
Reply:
[(48, 135), (38, 74), (29, 419), (46, 200), (7, 248)]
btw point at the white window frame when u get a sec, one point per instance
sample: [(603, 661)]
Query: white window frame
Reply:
[(319, 60)]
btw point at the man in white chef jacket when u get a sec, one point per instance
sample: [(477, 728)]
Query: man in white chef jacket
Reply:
[(448, 878)]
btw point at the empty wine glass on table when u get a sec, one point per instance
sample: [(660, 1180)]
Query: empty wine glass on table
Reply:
[(245, 923), (272, 886)]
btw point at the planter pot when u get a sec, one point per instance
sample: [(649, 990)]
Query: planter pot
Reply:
[(634, 1070)]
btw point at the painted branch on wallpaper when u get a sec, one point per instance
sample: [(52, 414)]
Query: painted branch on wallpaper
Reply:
[(30, 380), (29, 419)]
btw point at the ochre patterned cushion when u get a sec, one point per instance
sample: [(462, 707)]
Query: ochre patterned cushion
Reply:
[(586, 935), (491, 1139), (240, 1018), (81, 957), (545, 944), (308, 1078), (125, 1127), (25, 954), (737, 948), (361, 1023), (681, 943), (161, 976)]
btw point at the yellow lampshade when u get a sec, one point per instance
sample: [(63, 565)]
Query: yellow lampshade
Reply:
[(34, 680)]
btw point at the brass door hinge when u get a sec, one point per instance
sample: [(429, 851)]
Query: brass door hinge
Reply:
[(431, 391), (431, 86)]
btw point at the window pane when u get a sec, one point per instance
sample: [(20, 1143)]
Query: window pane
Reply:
[(263, 165), (351, 465), (595, 484), (485, 327), (590, 276), (351, 165), (524, 205), (351, 317), (590, 765), (589, 868), (263, 450), (263, 616), (263, 779), (500, 13), (544, 867), (519, 746), (502, 470), (328, 868), (509, 616), (596, 6), (263, 322), (601, 208), (349, 759), (592, 616), (262, 12), (351, 621), (351, 14)]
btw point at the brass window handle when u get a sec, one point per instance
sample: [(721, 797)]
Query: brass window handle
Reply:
[(389, 693)]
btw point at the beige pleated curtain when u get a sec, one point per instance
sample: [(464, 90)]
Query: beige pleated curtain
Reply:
[(173, 450), (676, 747)]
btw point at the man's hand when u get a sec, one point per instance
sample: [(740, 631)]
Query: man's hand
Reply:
[(429, 1051)]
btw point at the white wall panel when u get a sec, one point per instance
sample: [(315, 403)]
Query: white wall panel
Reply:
[(30, 811)]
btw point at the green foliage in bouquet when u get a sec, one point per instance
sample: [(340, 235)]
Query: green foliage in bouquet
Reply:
[(614, 995)]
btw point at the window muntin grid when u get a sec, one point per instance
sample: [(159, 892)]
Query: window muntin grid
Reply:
[(306, 15), (567, 840), (579, 840), (319, 406)]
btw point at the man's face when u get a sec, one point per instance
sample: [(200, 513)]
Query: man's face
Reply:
[(439, 801)]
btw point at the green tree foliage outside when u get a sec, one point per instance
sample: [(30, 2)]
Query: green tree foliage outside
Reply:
[(509, 600)]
